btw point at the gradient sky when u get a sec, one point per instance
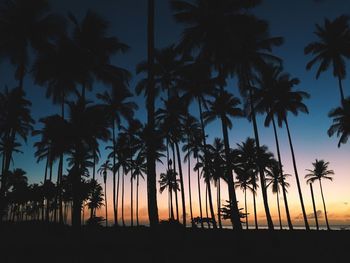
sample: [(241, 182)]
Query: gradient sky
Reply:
[(295, 21)]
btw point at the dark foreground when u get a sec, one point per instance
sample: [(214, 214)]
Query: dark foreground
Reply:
[(33, 242)]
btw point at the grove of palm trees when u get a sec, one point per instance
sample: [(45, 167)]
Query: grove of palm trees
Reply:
[(173, 130)]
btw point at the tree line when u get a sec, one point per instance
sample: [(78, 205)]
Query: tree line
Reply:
[(220, 40)]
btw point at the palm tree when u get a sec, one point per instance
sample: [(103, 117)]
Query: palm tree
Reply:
[(150, 101), (224, 107), (320, 171), (171, 120), (139, 168), (244, 182), (269, 82), (95, 200), (341, 122), (117, 107), (331, 49), (168, 181), (105, 167), (287, 100), (15, 120), (252, 54), (275, 179), (94, 51), (27, 25)]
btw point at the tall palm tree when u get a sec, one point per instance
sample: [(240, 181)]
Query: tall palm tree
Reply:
[(275, 179), (27, 25), (288, 100), (150, 101), (252, 54), (117, 107), (341, 122), (103, 170), (332, 48), (15, 121), (320, 171), (224, 107), (269, 81)]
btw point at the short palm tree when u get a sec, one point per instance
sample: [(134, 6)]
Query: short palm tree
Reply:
[(103, 171), (320, 171), (341, 122), (168, 181), (331, 49), (276, 180)]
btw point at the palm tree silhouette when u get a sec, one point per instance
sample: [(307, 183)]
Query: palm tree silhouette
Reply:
[(105, 167), (253, 54), (331, 49), (16, 121), (118, 107), (168, 181), (275, 179), (96, 195), (193, 145), (269, 82), (224, 107), (320, 171), (341, 120), (287, 100), (27, 25)]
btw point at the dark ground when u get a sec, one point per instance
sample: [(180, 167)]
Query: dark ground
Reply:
[(34, 242)]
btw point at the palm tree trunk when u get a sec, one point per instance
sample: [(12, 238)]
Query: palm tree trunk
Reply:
[(199, 196), (324, 206), (123, 175), (284, 191), (189, 185), (171, 204), (246, 209), (206, 205), (131, 201), (219, 202), (76, 213), (314, 206), (181, 184), (297, 176), (279, 211), (205, 158), (235, 220), (117, 197), (255, 213), (106, 204), (261, 172), (137, 201), (151, 156), (342, 98), (174, 168), (114, 172)]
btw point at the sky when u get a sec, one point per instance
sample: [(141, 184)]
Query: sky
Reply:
[(293, 20)]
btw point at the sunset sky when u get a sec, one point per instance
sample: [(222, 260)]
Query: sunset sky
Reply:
[(293, 20)]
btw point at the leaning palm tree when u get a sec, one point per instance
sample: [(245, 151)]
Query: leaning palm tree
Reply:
[(341, 122), (224, 107), (269, 82), (288, 100), (314, 205), (25, 25), (276, 180), (105, 167), (331, 49), (320, 171)]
